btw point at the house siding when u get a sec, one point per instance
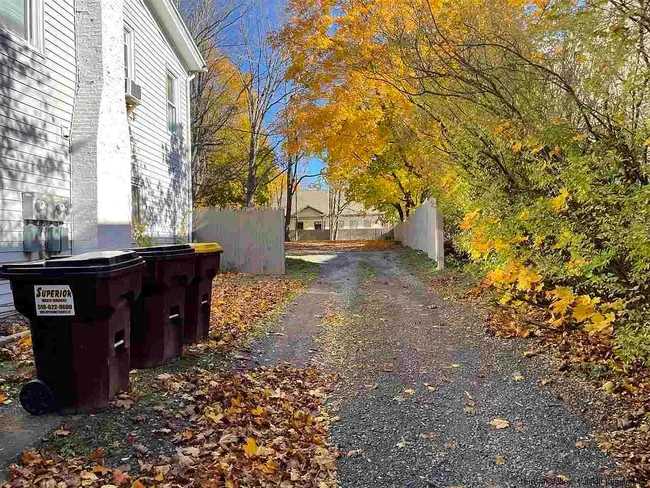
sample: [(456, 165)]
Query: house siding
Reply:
[(160, 163), (37, 92)]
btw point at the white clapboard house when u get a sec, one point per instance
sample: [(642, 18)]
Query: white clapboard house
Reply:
[(94, 126)]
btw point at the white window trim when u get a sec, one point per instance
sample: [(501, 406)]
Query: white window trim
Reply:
[(35, 28), (131, 57), (175, 102)]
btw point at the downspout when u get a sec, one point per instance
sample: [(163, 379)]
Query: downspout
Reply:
[(190, 189)]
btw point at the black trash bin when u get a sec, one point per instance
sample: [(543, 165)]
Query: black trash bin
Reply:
[(159, 316), (79, 311), (199, 290)]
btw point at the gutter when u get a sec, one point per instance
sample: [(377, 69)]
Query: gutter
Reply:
[(171, 21)]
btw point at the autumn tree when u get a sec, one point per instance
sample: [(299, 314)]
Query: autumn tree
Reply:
[(528, 118), (214, 93)]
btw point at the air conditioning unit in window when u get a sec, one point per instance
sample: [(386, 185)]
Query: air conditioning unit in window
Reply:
[(133, 92)]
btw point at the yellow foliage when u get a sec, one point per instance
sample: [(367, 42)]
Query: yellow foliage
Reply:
[(526, 279), (585, 308), (519, 239), (501, 245), (601, 324), (559, 203)]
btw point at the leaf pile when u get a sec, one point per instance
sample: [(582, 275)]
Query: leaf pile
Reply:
[(13, 325), (238, 304), (263, 428), (20, 350), (337, 246)]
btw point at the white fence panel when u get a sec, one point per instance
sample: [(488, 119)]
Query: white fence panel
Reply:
[(253, 240), (424, 231)]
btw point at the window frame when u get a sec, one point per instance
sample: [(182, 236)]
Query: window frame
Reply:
[(172, 126), (354, 223), (129, 63), (35, 26)]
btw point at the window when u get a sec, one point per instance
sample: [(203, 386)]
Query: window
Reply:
[(354, 224), (367, 224), (24, 18), (129, 54), (300, 225), (172, 96), (318, 225)]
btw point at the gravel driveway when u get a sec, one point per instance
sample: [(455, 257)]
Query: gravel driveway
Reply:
[(425, 397)]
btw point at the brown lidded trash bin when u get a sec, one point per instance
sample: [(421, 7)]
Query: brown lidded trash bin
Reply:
[(79, 311), (199, 291), (159, 315)]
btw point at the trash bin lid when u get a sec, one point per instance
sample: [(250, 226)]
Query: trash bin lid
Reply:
[(102, 263), (204, 247), (163, 252), (8, 268), (98, 258)]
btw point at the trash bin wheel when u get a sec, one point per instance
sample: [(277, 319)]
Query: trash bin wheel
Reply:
[(37, 398)]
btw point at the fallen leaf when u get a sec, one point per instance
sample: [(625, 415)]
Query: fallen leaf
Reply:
[(563, 478), (530, 353), (519, 427), (409, 391), (469, 409), (499, 460), (581, 444), (251, 447), (120, 477), (518, 377), (125, 403), (97, 454), (61, 432), (401, 444), (498, 423), (429, 435)]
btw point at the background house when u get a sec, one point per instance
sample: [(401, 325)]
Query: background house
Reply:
[(94, 126), (314, 214)]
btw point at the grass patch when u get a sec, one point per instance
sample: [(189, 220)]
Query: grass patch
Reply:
[(301, 269), (366, 272), (418, 261)]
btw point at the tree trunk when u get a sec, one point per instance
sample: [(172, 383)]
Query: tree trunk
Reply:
[(400, 211), (251, 181), (287, 214)]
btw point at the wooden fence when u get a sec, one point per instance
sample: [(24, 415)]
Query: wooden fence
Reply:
[(253, 240)]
